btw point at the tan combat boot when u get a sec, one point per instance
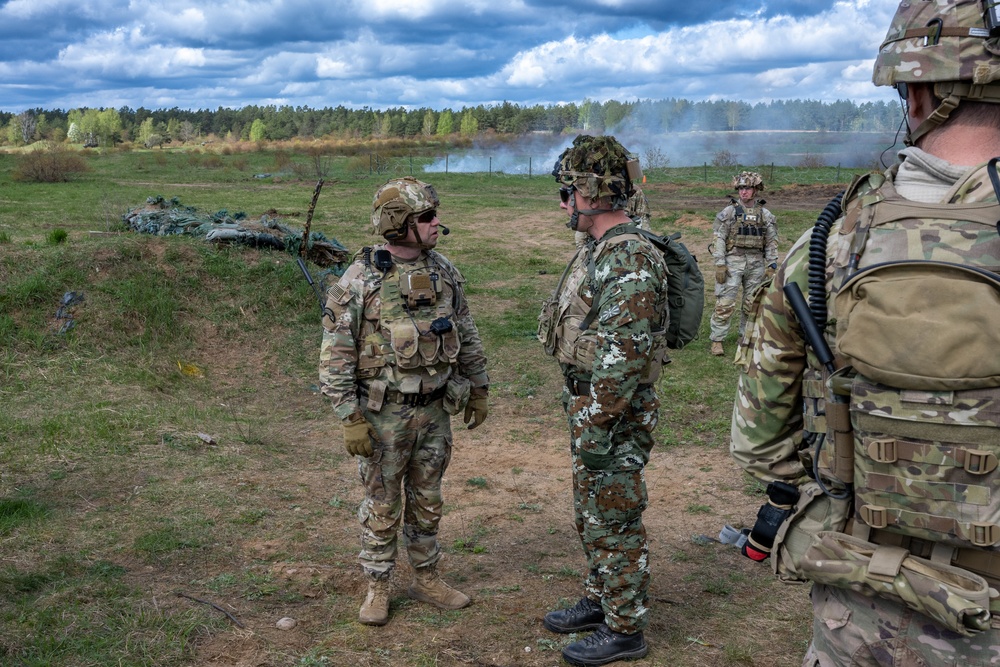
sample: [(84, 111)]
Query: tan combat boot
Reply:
[(717, 348), (428, 586), (375, 608)]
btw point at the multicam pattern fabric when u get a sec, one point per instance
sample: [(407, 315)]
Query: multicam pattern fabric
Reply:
[(358, 346), (745, 264), (748, 179), (413, 447), (850, 628), (414, 464), (638, 208), (937, 40), (781, 375), (397, 200), (612, 422)]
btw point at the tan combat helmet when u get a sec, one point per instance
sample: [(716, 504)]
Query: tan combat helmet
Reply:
[(397, 203), (599, 167), (748, 179), (953, 44)]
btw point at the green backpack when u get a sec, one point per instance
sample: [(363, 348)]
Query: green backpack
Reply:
[(685, 286)]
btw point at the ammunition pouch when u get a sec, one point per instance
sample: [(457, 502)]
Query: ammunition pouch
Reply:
[(956, 599)]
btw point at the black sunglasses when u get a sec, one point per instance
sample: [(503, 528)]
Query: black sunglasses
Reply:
[(565, 192), (427, 216)]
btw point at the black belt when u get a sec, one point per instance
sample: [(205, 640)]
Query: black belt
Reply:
[(412, 400)]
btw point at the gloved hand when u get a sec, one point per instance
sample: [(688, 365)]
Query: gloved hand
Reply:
[(358, 434), (721, 274), (769, 271), (476, 409)]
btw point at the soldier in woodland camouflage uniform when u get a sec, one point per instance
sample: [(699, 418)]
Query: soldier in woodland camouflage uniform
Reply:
[(745, 248), (888, 453), (637, 209), (400, 354), (606, 325)]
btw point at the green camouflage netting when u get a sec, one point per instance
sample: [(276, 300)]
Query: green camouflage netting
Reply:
[(165, 217)]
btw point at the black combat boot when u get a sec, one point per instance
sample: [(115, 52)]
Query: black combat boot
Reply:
[(605, 645), (584, 615)]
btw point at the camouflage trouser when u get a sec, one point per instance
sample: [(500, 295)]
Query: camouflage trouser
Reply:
[(410, 458), (746, 271), (607, 507), (850, 629)]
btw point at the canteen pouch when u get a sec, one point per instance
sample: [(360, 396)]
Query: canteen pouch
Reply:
[(954, 598), (456, 394)]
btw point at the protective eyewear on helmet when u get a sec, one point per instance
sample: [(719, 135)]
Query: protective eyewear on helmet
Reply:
[(427, 216), (903, 90), (565, 192)]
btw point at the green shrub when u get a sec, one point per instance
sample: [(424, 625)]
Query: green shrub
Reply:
[(48, 166)]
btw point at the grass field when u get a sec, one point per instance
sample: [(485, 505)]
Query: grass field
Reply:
[(171, 483)]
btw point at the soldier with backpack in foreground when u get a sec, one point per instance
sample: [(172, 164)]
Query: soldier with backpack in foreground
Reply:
[(606, 325), (882, 491)]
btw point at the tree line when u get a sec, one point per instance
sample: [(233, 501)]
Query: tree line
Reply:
[(152, 127)]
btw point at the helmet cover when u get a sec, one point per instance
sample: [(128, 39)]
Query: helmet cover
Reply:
[(396, 201), (748, 179), (938, 41), (597, 167)]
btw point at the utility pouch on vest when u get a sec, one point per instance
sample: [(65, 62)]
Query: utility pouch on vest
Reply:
[(456, 394), (814, 512), (954, 598), (838, 422), (921, 324), (376, 396), (405, 339), (418, 290), (547, 324)]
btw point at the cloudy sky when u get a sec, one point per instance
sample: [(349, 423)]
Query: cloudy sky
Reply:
[(203, 54)]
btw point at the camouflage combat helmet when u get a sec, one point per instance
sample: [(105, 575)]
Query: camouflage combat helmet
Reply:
[(748, 179), (952, 44), (398, 200), (598, 167)]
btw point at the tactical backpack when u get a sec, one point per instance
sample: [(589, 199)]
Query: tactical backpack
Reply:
[(685, 285), (915, 407)]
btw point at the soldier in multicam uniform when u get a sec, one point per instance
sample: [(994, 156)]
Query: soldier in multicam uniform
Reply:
[(606, 325), (882, 449), (745, 248), (400, 354), (637, 209)]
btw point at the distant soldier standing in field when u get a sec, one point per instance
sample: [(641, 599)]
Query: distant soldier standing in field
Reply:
[(400, 355), (606, 325), (745, 249), (872, 411)]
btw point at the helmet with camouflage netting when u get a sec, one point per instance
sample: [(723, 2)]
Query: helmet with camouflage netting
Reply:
[(748, 179), (952, 44), (599, 167), (398, 200)]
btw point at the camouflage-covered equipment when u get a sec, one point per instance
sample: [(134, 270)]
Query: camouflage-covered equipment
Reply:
[(957, 599), (748, 179), (599, 167), (953, 44), (397, 202), (167, 217)]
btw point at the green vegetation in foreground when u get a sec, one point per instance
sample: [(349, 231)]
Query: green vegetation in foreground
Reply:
[(156, 447)]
